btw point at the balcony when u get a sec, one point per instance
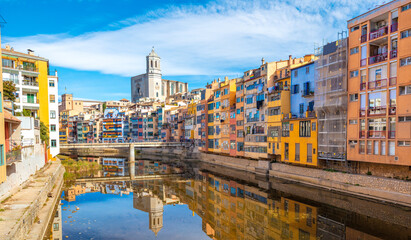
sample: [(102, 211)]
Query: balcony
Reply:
[(377, 84), (392, 110), (30, 83), (14, 154), (362, 112), (394, 27), (379, 33), (363, 86), (377, 111), (391, 134), (364, 38), (393, 53), (362, 134), (363, 62), (377, 58), (254, 119), (377, 134), (393, 81)]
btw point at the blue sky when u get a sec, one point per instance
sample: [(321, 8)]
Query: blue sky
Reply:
[(97, 45)]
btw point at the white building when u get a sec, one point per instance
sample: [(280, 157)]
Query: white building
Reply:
[(151, 85), (53, 115)]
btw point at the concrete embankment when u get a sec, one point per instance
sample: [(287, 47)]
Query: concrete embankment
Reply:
[(378, 188), (26, 214)]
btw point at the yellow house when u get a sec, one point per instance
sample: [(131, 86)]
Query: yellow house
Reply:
[(299, 141)]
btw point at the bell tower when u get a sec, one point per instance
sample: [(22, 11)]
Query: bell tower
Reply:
[(153, 71)]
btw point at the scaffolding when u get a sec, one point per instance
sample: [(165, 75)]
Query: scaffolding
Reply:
[(331, 100)]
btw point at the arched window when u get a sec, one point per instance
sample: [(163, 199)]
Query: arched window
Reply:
[(151, 63), (156, 63)]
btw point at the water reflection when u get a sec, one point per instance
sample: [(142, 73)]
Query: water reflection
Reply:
[(211, 205)]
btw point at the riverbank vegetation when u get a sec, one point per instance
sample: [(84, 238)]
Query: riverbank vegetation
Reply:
[(76, 169)]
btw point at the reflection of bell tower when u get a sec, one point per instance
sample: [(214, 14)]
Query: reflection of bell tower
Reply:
[(156, 215)]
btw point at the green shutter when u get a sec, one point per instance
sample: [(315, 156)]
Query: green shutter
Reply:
[(2, 155)]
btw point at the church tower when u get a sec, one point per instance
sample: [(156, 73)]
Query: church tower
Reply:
[(153, 72), (155, 215)]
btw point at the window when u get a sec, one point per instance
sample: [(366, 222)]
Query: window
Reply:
[(354, 97), (307, 70), (53, 143), (51, 83), (314, 126), (296, 73), (286, 129), (405, 61), (53, 114), (301, 108), (274, 111), (1, 154), (404, 119), (53, 127), (354, 50), (52, 98), (297, 152), (286, 151), (376, 146), (305, 128), (362, 147), (406, 33), (55, 226), (355, 28), (354, 73), (353, 121), (406, 7), (295, 89), (383, 148), (404, 143), (391, 148), (404, 90)]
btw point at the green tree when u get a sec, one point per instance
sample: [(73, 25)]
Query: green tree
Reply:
[(8, 90), (44, 133), (104, 107), (26, 112)]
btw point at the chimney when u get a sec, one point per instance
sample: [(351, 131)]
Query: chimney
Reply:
[(30, 52), (262, 61), (7, 47), (289, 60), (219, 79)]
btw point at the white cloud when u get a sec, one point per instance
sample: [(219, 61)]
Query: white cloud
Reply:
[(223, 37)]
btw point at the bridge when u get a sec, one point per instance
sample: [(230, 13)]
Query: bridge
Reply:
[(125, 145), (128, 178), (130, 146)]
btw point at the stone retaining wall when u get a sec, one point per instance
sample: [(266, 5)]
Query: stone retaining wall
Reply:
[(24, 225), (381, 183)]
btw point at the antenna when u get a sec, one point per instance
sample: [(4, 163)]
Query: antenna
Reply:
[(2, 20)]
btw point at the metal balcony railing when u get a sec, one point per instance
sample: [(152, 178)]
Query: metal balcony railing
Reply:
[(363, 86), (377, 84), (363, 62), (377, 134), (393, 81), (362, 134), (14, 153), (376, 111), (394, 27), (379, 33), (392, 110), (364, 38), (377, 58), (393, 53), (30, 83), (362, 112), (391, 134)]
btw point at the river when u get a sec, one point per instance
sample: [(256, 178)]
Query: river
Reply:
[(202, 201)]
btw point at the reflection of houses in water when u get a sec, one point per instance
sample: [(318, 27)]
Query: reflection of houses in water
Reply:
[(71, 193), (114, 166), (117, 188), (57, 228), (146, 167), (231, 210)]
